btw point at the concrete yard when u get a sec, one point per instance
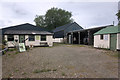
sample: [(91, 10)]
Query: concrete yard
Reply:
[(60, 61)]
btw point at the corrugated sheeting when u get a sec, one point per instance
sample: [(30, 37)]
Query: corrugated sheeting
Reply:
[(109, 30), (24, 29), (26, 32), (61, 31), (66, 26)]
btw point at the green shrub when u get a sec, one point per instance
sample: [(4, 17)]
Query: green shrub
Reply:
[(11, 49)]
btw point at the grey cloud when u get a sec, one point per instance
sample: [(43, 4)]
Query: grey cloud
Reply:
[(86, 14), (15, 10)]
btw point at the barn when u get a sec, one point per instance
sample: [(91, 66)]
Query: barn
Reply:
[(83, 36), (60, 32)]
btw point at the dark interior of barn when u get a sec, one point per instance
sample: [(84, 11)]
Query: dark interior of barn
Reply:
[(85, 37)]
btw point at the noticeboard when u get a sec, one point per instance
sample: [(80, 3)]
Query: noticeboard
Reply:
[(22, 47)]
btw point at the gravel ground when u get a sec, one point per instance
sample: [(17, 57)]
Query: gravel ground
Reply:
[(64, 61)]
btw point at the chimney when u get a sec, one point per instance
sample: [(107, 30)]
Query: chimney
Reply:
[(113, 23)]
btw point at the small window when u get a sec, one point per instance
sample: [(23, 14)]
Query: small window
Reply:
[(105, 37), (31, 38), (101, 36), (10, 37), (43, 37)]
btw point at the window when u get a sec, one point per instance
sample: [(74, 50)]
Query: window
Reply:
[(101, 36), (31, 38), (43, 37), (105, 37), (10, 37)]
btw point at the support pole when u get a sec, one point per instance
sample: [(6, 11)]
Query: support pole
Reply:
[(78, 37), (89, 38), (72, 37)]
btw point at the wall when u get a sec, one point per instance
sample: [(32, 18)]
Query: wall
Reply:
[(58, 40), (98, 43), (49, 40), (12, 43), (59, 34), (118, 41)]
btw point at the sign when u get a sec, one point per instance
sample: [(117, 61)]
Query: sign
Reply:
[(22, 47)]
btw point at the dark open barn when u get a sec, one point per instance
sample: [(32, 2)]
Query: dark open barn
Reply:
[(84, 36)]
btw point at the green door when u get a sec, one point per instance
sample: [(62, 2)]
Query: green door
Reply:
[(113, 41), (21, 38)]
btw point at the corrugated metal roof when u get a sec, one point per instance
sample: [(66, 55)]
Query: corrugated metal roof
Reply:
[(26, 32), (109, 30), (24, 28), (96, 28), (65, 26)]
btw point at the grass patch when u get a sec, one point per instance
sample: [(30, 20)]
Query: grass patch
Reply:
[(9, 54), (10, 75), (43, 70), (74, 45), (63, 74), (58, 44), (11, 49), (113, 53), (24, 73), (54, 69), (16, 52), (117, 55), (16, 70)]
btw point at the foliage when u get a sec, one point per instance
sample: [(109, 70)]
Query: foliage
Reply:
[(4, 42), (39, 20), (118, 15), (53, 18)]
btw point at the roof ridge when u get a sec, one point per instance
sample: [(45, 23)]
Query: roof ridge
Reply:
[(18, 25), (66, 26)]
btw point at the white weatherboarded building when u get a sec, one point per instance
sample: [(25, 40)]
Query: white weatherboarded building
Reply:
[(28, 34), (108, 38)]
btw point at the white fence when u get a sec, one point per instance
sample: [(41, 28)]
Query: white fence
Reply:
[(58, 40)]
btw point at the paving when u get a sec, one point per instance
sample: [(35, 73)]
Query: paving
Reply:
[(64, 61)]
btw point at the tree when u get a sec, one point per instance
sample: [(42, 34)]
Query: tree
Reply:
[(39, 20), (53, 18), (118, 15)]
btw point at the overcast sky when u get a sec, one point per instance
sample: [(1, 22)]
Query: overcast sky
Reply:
[(86, 14)]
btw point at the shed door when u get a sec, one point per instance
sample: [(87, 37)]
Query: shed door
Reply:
[(21, 39), (113, 41)]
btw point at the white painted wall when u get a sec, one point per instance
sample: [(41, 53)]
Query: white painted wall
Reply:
[(9, 43), (58, 40), (118, 41), (49, 40), (98, 43)]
